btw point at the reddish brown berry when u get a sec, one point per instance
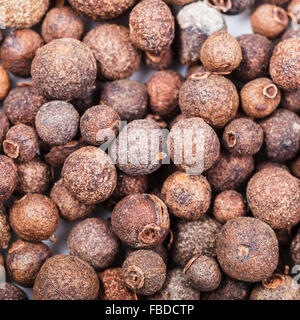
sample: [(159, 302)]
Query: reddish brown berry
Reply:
[(295, 167), (295, 248), (160, 61), (9, 291), (4, 83), (5, 232), (291, 100), (8, 177), (4, 126)]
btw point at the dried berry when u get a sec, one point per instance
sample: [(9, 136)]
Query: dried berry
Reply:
[(34, 217), (256, 54), (211, 97), (247, 249), (284, 64), (260, 97), (152, 26), (8, 177), (65, 277), (62, 23), (18, 50), (113, 287), (159, 249), (63, 69), (9, 291), (141, 220), (293, 10), (117, 57), (232, 6), (93, 241), (243, 137), (99, 125), (295, 167), (21, 142), (187, 196), (291, 32), (194, 238), (175, 120), (291, 100), (128, 97), (269, 20), (4, 126), (271, 164), (144, 272), (160, 61), (221, 53), (295, 248), (89, 174), (273, 196), (88, 99), (196, 21), (4, 83), (24, 261), (230, 172), (195, 69), (281, 135), (5, 232)]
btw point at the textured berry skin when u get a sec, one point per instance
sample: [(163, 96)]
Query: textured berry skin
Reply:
[(8, 177)]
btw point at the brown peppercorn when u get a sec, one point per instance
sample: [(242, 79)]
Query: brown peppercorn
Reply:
[(271, 164), (163, 89), (4, 83), (64, 69), (62, 23), (243, 137), (175, 120), (24, 261), (194, 238), (144, 272), (152, 26), (203, 273), (117, 57), (128, 97), (159, 249), (230, 172), (282, 135), (247, 249), (161, 61), (8, 177), (21, 142), (176, 287), (104, 9), (93, 241), (5, 232), (229, 289), (285, 64), (141, 220), (113, 287), (221, 53), (196, 68), (256, 53), (9, 291), (277, 287), (34, 217), (269, 20), (89, 175), (273, 196), (23, 14), (284, 239), (295, 248), (232, 6), (64, 277), (293, 10), (87, 100), (291, 32), (229, 204), (4, 126), (291, 100), (187, 196), (211, 97), (99, 125), (295, 167), (69, 207), (260, 97)]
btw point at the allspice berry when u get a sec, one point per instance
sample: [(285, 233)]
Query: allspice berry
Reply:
[(9, 291), (144, 272), (128, 97), (273, 196), (163, 89), (64, 69), (88, 99), (8, 177), (293, 10), (243, 137), (195, 68), (141, 220), (57, 122), (64, 277), (34, 217), (18, 50), (229, 204), (61, 23), (291, 100), (269, 20), (93, 241), (24, 261), (260, 97), (160, 61), (113, 287), (159, 249), (295, 248), (281, 135), (21, 142), (203, 273), (221, 53), (295, 167), (4, 127), (116, 55), (69, 207), (152, 26), (211, 97), (89, 174), (285, 66), (247, 249), (187, 196), (4, 83), (232, 6), (5, 231), (99, 125)]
